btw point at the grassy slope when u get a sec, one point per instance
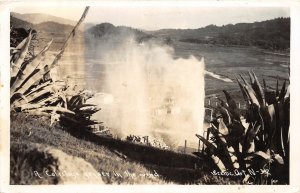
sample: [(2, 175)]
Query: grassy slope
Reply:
[(100, 157), (104, 155)]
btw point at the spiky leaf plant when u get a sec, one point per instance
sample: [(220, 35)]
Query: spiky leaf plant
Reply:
[(255, 141), (34, 92), (83, 111)]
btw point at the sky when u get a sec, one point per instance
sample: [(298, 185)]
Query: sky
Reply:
[(159, 17)]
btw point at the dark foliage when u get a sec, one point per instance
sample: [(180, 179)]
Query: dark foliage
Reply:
[(271, 34)]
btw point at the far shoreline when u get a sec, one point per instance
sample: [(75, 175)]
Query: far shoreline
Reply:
[(265, 51)]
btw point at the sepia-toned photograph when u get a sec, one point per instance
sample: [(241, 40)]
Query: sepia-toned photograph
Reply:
[(148, 94)]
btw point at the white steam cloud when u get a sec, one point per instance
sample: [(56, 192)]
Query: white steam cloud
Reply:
[(148, 92)]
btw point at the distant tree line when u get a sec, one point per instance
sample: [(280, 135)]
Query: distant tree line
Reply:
[(270, 34)]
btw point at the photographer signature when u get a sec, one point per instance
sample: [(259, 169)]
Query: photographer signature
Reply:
[(237, 172)]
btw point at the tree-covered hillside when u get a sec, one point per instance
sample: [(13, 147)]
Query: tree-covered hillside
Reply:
[(270, 34)]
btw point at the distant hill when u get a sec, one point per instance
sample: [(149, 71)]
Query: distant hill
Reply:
[(109, 30), (37, 18), (18, 23), (46, 31), (271, 34), (53, 27), (47, 27), (19, 30)]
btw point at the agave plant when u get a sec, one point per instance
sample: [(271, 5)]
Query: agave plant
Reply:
[(76, 102), (34, 92), (257, 140)]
